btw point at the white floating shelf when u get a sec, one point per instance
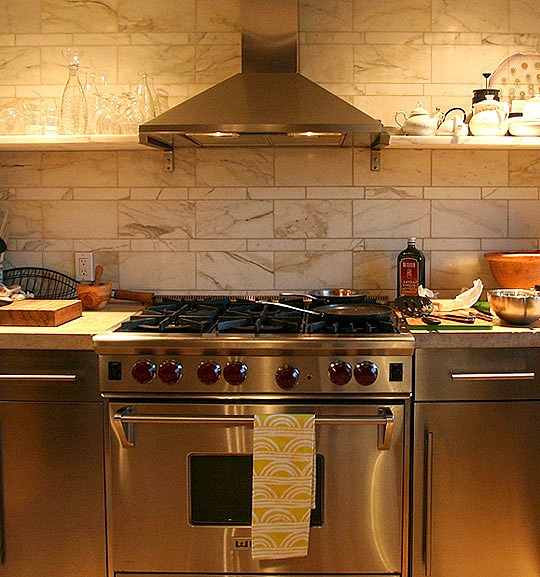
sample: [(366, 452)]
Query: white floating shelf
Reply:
[(465, 142), (71, 142), (131, 142)]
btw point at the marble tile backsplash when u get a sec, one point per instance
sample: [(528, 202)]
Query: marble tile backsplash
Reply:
[(277, 221), (265, 220)]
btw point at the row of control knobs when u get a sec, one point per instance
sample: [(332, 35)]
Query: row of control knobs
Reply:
[(235, 373)]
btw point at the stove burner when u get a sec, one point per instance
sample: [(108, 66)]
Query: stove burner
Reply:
[(248, 317)]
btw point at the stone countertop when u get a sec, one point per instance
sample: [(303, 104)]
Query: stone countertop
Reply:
[(500, 336), (73, 335)]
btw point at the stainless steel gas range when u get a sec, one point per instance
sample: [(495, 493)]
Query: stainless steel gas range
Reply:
[(182, 382)]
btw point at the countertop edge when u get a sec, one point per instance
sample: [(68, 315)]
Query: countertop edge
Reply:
[(77, 334)]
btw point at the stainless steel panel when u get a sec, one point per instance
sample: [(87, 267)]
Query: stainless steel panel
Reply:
[(270, 36), (42, 375), (364, 497), (260, 374), (467, 374), (476, 503), (52, 490)]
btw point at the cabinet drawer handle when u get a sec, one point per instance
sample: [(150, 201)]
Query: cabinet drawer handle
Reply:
[(428, 504), (493, 376), (15, 377)]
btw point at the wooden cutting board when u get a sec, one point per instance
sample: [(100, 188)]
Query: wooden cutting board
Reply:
[(446, 324), (40, 313)]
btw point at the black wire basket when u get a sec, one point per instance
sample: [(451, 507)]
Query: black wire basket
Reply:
[(43, 283)]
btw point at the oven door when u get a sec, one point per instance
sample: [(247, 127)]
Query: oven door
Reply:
[(180, 480)]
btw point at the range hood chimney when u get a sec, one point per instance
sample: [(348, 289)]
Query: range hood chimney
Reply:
[(269, 103)]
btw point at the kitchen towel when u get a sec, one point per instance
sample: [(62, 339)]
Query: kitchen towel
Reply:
[(283, 485)]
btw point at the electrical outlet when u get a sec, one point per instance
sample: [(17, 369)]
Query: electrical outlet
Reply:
[(84, 266)]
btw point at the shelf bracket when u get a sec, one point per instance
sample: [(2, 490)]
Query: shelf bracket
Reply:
[(167, 151), (382, 140), (168, 160)]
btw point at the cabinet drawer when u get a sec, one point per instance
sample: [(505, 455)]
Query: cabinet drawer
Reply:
[(469, 374)]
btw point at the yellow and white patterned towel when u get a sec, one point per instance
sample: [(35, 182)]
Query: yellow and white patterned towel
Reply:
[(283, 485)]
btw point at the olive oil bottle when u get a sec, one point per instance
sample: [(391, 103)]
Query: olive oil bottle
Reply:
[(411, 269)]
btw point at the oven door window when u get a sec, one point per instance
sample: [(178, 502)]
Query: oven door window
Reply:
[(220, 490)]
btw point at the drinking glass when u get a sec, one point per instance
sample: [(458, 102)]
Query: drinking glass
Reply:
[(32, 116)]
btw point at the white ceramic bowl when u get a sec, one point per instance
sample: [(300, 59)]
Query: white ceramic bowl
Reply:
[(515, 306), (524, 127)]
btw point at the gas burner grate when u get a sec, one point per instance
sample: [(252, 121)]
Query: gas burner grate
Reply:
[(247, 316)]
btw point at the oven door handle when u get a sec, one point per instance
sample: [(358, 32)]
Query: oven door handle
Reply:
[(124, 419)]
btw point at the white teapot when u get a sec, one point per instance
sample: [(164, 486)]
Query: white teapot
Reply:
[(490, 118), (419, 122)]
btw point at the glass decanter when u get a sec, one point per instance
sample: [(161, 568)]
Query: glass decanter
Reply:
[(143, 96), (73, 109)]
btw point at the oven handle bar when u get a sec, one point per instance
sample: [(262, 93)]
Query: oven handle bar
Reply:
[(124, 419)]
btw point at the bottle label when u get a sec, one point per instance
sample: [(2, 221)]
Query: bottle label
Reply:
[(408, 277)]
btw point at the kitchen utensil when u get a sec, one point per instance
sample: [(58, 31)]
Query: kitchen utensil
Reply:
[(3, 245), (96, 295), (422, 307), (419, 122), (42, 283), (40, 312), (482, 93), (453, 123), (490, 118), (523, 127), (331, 295), (339, 312), (515, 306), (515, 269), (145, 297), (531, 108), (414, 306)]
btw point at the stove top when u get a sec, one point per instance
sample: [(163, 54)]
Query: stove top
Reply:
[(232, 345), (243, 316)]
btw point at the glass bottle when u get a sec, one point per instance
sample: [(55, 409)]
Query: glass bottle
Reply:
[(73, 109), (143, 95), (411, 269)]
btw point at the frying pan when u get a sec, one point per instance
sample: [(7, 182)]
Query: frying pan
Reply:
[(340, 312), (331, 295)]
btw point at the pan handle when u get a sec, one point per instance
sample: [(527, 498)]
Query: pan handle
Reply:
[(303, 295), (290, 307)]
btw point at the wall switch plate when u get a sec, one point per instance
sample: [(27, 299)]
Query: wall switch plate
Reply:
[(84, 266)]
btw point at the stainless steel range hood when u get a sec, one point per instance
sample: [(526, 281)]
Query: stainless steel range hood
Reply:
[(269, 103)]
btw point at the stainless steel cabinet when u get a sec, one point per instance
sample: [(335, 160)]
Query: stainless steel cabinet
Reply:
[(476, 463), (52, 474)]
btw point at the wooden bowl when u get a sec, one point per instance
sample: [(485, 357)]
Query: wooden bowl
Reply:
[(515, 269), (94, 297)]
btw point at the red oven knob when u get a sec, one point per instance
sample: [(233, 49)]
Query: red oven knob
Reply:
[(235, 373), (340, 372), (208, 372), (287, 377), (143, 371), (366, 373), (169, 371)]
